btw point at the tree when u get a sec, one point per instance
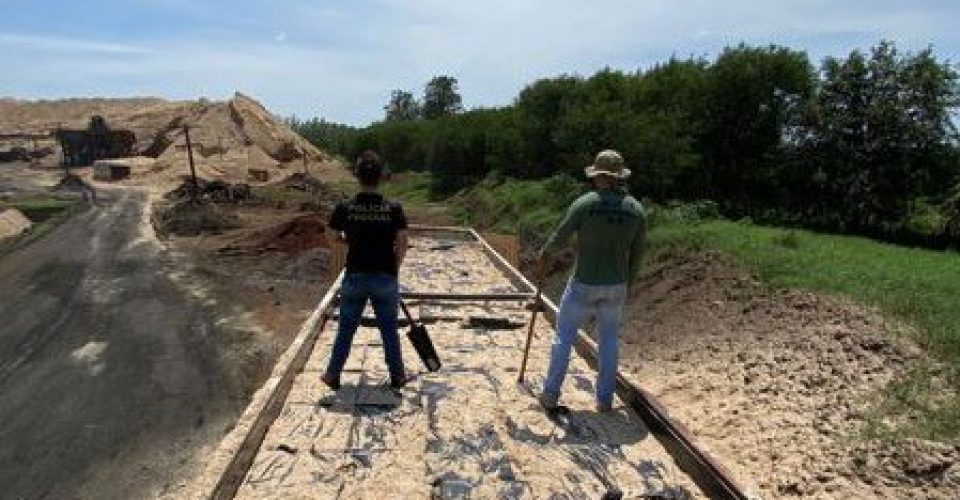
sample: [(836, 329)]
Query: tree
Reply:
[(754, 96), (441, 97), (402, 106), (883, 135)]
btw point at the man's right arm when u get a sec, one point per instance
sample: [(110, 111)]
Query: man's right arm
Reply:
[(563, 232)]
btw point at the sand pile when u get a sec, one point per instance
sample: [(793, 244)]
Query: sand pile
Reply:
[(228, 138), (145, 116), (238, 125), (12, 222), (779, 384)]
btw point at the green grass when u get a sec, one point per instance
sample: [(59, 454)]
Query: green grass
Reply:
[(528, 208), (40, 208), (421, 205), (46, 213), (411, 187)]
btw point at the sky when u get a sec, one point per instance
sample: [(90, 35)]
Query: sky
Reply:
[(340, 59)]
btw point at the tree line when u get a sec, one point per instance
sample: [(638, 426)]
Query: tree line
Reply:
[(862, 144)]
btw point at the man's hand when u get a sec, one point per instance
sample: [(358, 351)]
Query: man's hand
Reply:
[(541, 267)]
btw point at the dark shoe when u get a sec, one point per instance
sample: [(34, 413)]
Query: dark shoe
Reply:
[(604, 407), (549, 401), (400, 384), (332, 383)]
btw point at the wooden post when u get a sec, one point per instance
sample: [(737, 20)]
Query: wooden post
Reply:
[(533, 322), (193, 170)]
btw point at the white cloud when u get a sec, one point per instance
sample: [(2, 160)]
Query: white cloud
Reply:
[(71, 45)]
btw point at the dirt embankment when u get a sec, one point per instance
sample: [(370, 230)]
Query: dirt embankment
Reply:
[(780, 385), (264, 248)]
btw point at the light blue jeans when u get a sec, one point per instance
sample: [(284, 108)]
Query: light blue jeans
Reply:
[(579, 302)]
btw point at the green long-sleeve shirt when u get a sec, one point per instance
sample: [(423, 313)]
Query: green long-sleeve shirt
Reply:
[(611, 230)]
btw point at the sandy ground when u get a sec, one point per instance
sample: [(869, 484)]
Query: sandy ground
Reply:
[(468, 430), (779, 383), (279, 287)]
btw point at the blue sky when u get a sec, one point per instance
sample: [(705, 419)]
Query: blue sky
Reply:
[(340, 59)]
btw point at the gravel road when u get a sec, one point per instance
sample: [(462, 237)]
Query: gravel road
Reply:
[(112, 372)]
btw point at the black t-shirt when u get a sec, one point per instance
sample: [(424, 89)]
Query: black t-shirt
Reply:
[(371, 224)]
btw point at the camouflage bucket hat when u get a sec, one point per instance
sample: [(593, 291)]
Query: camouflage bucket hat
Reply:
[(608, 162)]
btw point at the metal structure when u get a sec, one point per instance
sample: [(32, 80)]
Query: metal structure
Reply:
[(97, 142)]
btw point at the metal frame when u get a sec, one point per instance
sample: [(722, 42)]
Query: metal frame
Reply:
[(502, 297)]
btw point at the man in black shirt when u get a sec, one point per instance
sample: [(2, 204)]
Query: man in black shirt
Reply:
[(375, 232)]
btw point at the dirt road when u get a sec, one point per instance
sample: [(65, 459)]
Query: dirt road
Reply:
[(111, 368)]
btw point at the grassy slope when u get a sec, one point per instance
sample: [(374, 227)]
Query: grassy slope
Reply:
[(40, 208), (921, 286), (45, 211)]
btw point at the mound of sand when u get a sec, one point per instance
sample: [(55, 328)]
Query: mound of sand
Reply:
[(12, 222), (238, 125), (228, 138), (778, 383)]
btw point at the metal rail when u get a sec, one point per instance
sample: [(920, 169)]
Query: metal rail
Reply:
[(467, 297)]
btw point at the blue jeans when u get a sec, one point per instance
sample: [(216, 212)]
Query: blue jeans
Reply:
[(579, 301), (383, 293)]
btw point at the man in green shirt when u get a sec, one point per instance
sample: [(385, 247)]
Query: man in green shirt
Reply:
[(611, 229)]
